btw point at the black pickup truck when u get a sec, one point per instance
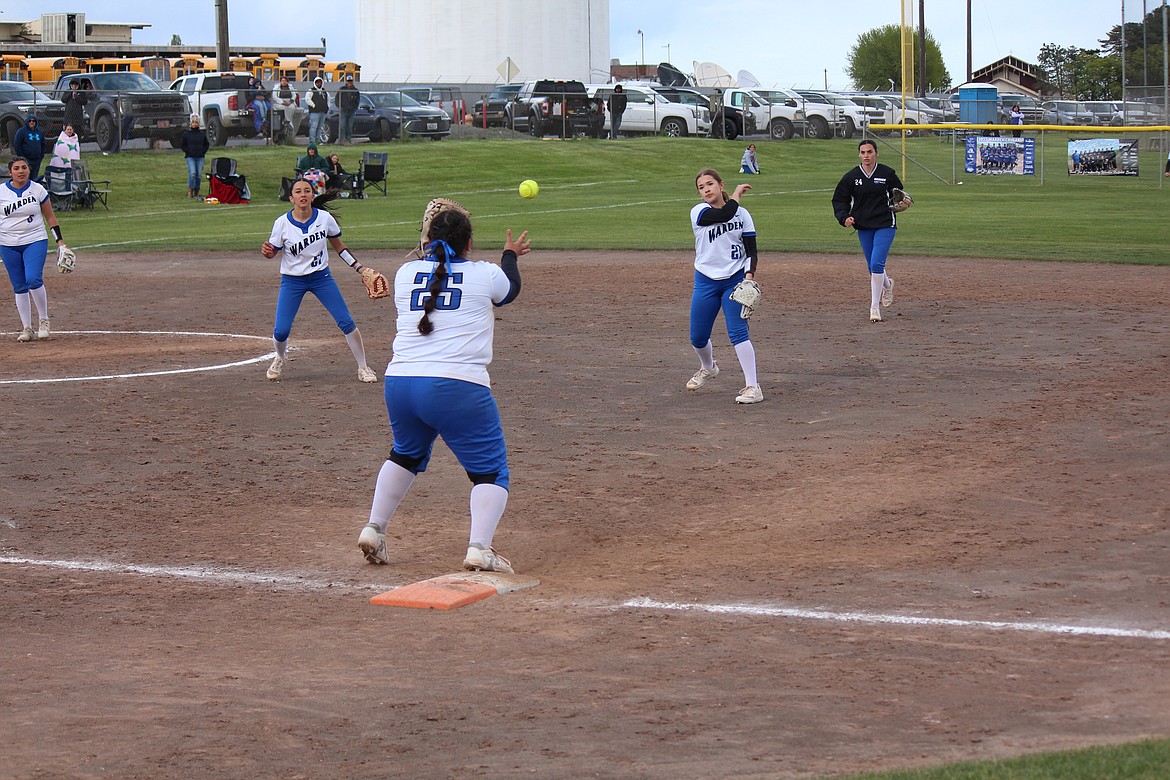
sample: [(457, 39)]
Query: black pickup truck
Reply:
[(563, 108), (135, 100)]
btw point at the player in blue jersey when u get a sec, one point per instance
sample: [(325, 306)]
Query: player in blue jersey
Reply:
[(437, 383), (24, 246), (302, 238), (725, 255), (862, 201)]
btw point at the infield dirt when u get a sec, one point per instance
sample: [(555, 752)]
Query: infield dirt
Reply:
[(995, 451)]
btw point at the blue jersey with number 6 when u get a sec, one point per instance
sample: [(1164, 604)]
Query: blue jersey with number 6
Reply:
[(460, 346)]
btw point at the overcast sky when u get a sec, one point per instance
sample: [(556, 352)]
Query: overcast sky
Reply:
[(780, 42)]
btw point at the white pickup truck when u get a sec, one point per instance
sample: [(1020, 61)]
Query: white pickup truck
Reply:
[(780, 119), (221, 101), (648, 112)]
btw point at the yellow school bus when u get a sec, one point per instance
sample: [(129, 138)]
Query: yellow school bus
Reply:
[(14, 67), (337, 71)]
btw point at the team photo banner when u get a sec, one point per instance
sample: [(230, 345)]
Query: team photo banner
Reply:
[(1103, 157), (994, 156)]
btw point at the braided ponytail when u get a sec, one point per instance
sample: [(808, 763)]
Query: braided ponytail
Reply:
[(449, 238)]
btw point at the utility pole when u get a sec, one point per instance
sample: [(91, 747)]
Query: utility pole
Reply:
[(222, 52), (968, 41)]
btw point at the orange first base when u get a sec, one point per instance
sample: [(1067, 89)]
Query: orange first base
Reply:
[(438, 593)]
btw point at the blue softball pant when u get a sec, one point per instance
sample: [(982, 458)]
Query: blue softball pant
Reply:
[(875, 245), (422, 408), (25, 265), (707, 298), (321, 284)]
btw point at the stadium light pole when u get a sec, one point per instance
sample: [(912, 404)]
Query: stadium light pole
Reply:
[(667, 47), (642, 62)]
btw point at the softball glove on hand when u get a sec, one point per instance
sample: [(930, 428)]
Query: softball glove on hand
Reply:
[(66, 259), (899, 201), (376, 284), (436, 207), (748, 295)]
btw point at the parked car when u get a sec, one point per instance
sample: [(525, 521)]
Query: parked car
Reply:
[(446, 99), (889, 114), (563, 107), (1134, 113), (777, 113), (854, 116), (734, 119), (17, 101), (220, 99), (1031, 109), (151, 111), (386, 116), (913, 111), (944, 105), (649, 112), (495, 105), (1102, 109), (1067, 112)]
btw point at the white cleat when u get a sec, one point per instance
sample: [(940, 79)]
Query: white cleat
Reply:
[(752, 394), (888, 292), (26, 335), (366, 374), (43, 330), (702, 376), (276, 367), (372, 543), (479, 559), (875, 314)]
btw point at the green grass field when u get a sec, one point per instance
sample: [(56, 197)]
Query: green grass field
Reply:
[(636, 194)]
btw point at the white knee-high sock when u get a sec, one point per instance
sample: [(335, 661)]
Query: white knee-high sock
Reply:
[(706, 355), (877, 282), (40, 299), (390, 489), (747, 361), (24, 309), (281, 348), (354, 339), (487, 507)]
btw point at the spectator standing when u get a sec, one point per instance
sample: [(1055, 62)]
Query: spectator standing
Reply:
[(1017, 118), (75, 100), (29, 142), (617, 107), (194, 144), (348, 100), (317, 100)]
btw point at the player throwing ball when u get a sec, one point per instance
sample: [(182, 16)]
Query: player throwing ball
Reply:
[(862, 201), (302, 238), (437, 383), (725, 255), (24, 210)]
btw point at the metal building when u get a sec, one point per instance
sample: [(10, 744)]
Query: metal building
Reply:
[(482, 41)]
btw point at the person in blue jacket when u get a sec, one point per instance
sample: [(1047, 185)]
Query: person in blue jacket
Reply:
[(29, 142)]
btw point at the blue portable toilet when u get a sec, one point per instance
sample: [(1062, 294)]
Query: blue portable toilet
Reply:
[(978, 104)]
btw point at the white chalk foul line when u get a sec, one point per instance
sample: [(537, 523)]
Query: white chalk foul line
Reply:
[(219, 576), (873, 618), (210, 574), (167, 372)]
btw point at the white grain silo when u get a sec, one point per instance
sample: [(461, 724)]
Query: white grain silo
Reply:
[(457, 41)]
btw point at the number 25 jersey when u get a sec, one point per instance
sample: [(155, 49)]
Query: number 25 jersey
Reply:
[(460, 346)]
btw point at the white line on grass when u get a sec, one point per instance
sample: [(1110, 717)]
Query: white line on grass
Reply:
[(218, 576), (249, 361), (873, 618)]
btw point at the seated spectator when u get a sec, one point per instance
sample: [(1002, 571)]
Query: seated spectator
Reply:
[(337, 174), (257, 98), (312, 160)]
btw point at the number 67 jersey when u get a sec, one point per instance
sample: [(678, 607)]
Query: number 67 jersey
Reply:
[(460, 346)]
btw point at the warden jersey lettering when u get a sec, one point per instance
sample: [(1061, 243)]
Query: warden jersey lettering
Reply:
[(304, 246), (20, 214), (719, 250), (460, 346)]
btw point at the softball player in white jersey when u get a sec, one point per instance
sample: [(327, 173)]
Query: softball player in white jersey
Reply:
[(24, 246), (725, 255), (302, 237), (437, 383)]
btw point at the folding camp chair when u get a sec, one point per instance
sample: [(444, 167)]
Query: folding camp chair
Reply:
[(86, 191), (59, 183), (373, 170), (225, 184)]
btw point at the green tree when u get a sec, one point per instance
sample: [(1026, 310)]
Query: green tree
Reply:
[(876, 60)]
